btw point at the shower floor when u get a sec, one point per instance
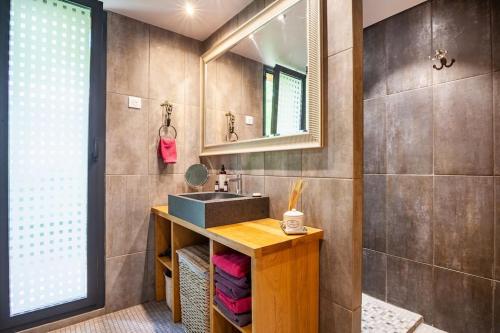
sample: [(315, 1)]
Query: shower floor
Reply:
[(380, 317)]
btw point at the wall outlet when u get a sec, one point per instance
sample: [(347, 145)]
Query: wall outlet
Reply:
[(249, 120), (134, 102)]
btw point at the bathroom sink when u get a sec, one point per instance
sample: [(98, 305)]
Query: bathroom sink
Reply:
[(211, 209)]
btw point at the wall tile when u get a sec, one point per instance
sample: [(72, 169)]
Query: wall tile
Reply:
[(496, 115), (167, 64), (495, 30), (127, 56), (160, 186), (156, 118), (192, 49), (463, 125), (229, 83), (409, 217), (409, 285), (374, 217), (474, 314), (463, 222), (461, 26), (252, 93), (496, 319), (497, 230), (277, 188), (192, 141), (374, 273), (214, 163), (336, 159), (374, 128), (128, 280), (126, 137), (339, 265), (253, 184), (252, 163), (408, 63), (409, 132), (374, 61), (283, 163), (339, 26), (127, 215), (336, 319)]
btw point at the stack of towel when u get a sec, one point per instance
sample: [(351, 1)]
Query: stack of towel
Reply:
[(232, 286)]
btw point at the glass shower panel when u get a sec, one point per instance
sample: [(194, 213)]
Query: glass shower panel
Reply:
[(49, 69)]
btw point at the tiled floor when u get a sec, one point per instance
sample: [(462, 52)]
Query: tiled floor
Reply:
[(152, 317)]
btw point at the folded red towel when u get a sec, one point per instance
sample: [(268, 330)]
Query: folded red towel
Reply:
[(235, 306), (167, 150), (233, 263)]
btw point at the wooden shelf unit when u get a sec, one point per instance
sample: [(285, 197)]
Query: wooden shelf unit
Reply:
[(166, 262), (285, 271)]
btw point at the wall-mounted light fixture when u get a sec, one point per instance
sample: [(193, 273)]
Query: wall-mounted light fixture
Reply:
[(440, 55)]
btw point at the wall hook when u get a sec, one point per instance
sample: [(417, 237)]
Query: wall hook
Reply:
[(441, 56), (231, 135)]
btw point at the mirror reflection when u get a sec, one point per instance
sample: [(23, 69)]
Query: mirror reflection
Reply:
[(257, 88)]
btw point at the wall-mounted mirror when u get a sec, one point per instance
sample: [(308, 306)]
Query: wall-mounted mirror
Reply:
[(261, 85)]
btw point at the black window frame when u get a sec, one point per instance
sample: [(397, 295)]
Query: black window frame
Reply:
[(96, 181)]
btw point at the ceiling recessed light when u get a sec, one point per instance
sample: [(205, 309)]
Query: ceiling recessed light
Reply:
[(252, 37), (281, 17), (189, 9)]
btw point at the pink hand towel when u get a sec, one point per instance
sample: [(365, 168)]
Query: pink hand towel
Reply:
[(167, 150), (235, 306), (233, 263)]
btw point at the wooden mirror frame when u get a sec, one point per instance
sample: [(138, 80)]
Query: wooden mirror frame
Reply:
[(314, 89)]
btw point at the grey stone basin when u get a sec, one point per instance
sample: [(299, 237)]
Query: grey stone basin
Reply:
[(211, 209)]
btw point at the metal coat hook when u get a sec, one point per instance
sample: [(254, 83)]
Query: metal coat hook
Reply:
[(231, 135), (167, 112), (441, 56)]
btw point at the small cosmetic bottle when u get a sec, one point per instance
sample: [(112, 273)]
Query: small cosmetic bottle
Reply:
[(216, 189), (226, 186)]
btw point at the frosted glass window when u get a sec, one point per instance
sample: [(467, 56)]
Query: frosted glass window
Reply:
[(49, 68), (289, 104)]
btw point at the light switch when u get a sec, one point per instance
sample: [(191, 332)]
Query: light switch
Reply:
[(134, 102), (249, 120)]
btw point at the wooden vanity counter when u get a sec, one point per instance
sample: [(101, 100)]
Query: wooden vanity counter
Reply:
[(285, 270)]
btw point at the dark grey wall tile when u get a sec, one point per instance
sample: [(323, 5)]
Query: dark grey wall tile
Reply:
[(496, 111), (495, 31), (461, 27), (126, 137), (127, 215), (497, 230), (283, 163), (374, 273), (409, 132), (127, 56), (251, 184), (374, 217), (374, 61), (463, 125), (409, 217), (462, 303), (338, 319), (252, 164), (374, 135), (463, 222), (409, 285), (496, 319), (407, 47)]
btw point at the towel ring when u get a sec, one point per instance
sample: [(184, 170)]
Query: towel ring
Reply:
[(167, 127)]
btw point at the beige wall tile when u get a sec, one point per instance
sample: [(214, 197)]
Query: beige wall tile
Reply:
[(127, 56), (278, 188), (160, 186), (339, 25), (126, 137), (283, 163)]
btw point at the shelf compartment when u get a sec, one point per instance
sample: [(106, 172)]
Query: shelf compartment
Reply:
[(244, 329), (166, 262)]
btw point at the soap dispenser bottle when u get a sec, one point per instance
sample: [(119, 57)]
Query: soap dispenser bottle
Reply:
[(222, 176)]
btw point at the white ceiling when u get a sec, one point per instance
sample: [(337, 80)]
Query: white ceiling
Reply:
[(171, 15), (209, 15), (377, 10)]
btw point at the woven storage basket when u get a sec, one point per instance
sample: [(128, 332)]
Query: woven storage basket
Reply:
[(194, 284)]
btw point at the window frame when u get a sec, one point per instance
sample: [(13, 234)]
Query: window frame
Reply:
[(96, 188)]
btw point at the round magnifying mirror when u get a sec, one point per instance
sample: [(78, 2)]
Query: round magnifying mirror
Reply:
[(196, 175)]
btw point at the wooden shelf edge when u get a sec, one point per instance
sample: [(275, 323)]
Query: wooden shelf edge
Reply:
[(166, 262), (244, 329)]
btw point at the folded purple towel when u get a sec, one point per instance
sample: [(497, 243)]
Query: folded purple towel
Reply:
[(241, 319), (235, 293), (243, 282), (232, 290)]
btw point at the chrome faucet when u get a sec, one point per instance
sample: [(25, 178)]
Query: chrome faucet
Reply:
[(239, 184)]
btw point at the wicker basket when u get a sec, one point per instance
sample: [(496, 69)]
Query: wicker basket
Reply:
[(194, 284)]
